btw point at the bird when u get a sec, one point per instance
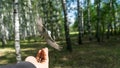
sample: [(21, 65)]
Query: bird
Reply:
[(44, 32)]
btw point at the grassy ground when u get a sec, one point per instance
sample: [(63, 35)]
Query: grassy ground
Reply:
[(88, 55)]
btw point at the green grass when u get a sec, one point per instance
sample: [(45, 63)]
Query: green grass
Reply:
[(88, 55)]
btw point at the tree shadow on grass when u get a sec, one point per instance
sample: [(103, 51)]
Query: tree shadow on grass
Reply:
[(7, 58), (8, 55), (89, 55)]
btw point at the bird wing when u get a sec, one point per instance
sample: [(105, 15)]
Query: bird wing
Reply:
[(43, 31)]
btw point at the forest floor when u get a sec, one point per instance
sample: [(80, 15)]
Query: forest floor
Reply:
[(90, 54)]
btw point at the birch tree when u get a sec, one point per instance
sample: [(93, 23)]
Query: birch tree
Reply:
[(2, 26), (17, 36)]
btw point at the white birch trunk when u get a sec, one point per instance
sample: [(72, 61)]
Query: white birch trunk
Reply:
[(17, 36), (3, 31)]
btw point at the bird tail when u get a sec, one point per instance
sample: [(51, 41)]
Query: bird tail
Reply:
[(53, 44)]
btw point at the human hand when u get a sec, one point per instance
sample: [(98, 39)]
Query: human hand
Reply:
[(41, 60)]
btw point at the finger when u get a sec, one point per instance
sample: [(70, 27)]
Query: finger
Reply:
[(38, 56), (44, 54)]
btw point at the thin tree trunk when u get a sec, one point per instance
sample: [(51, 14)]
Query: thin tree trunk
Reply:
[(31, 25), (2, 27), (80, 23), (109, 30), (103, 31), (116, 20), (17, 37), (114, 17), (98, 21), (66, 27), (50, 18), (3, 32), (88, 21)]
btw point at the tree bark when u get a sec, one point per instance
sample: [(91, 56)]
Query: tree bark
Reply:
[(98, 21), (2, 27), (114, 17), (80, 23), (88, 21), (17, 36), (66, 27)]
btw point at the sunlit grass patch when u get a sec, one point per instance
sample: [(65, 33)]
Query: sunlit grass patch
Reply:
[(7, 56), (4, 62), (7, 50)]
